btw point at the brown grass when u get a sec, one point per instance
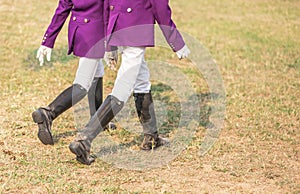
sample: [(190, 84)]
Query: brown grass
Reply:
[(256, 44)]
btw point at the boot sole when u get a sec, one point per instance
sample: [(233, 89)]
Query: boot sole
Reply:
[(44, 134)]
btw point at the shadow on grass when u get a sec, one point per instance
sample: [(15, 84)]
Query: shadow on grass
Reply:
[(57, 137), (295, 64), (169, 124), (59, 55), (174, 108)]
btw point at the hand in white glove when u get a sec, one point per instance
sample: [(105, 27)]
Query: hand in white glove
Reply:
[(42, 52), (184, 52), (111, 59)]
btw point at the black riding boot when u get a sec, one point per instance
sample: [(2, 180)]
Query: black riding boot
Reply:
[(95, 98), (82, 144), (45, 115), (95, 95), (145, 110)]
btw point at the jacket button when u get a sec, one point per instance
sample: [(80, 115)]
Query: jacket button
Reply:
[(86, 20), (74, 18), (111, 7), (129, 10)]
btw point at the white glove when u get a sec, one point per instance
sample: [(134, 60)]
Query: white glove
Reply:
[(111, 59), (183, 52), (42, 52)]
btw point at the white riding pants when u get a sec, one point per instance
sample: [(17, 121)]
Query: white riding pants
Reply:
[(133, 74), (88, 69)]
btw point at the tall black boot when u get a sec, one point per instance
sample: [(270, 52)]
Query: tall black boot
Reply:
[(95, 98), (95, 95), (45, 115), (82, 144), (145, 110)]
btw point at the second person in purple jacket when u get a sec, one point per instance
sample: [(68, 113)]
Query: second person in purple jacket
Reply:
[(130, 27)]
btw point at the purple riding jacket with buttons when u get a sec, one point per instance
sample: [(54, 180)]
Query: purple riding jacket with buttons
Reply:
[(85, 30), (131, 23)]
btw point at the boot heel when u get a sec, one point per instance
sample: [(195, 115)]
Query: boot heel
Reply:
[(37, 117), (73, 148)]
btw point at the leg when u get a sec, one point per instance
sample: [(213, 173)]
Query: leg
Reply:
[(145, 110), (44, 116), (95, 94), (82, 144), (132, 60), (125, 81)]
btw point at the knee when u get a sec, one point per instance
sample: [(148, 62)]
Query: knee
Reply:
[(79, 88)]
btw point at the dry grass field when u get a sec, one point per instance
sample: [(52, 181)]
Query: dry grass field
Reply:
[(257, 48)]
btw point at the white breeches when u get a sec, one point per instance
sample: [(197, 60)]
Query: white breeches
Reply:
[(133, 74), (87, 70)]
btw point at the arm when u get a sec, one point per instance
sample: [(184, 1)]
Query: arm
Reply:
[(105, 16), (58, 20), (111, 54), (106, 12), (163, 15)]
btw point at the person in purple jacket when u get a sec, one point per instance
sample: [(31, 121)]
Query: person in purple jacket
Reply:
[(86, 40), (130, 27)]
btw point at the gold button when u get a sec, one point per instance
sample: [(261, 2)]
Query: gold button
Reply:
[(111, 7), (45, 38), (129, 10), (86, 20), (74, 18)]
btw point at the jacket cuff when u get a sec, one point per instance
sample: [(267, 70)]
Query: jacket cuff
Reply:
[(48, 41)]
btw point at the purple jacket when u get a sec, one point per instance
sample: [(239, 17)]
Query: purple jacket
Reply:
[(85, 30), (131, 23)]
